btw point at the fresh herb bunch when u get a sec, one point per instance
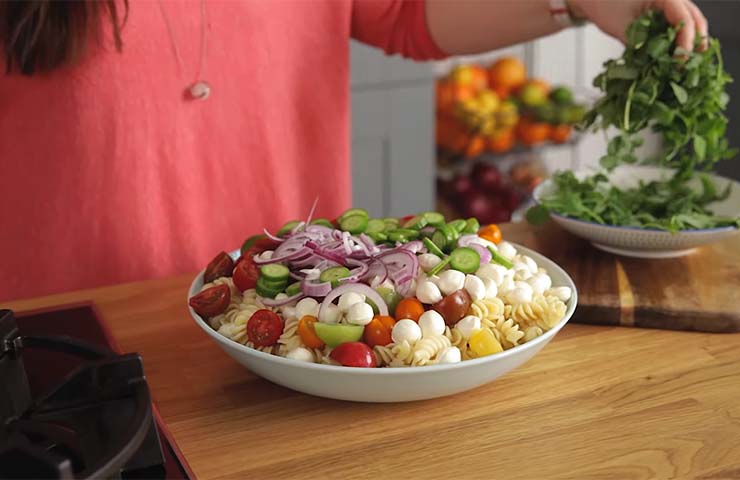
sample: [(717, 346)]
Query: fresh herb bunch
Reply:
[(679, 94), (665, 205)]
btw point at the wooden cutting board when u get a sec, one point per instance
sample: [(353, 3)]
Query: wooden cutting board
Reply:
[(700, 291)]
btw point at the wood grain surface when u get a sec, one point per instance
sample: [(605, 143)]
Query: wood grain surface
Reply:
[(598, 402)]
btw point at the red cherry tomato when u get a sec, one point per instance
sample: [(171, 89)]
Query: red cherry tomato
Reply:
[(264, 328), (246, 272), (354, 354), (221, 266), (378, 331), (212, 301)]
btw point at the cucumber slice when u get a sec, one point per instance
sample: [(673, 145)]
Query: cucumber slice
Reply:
[(451, 236), (500, 259), (458, 225), (275, 272), (322, 221), (416, 223), (293, 289), (375, 225), (251, 241), (471, 225), (433, 248), (266, 290), (390, 297), (441, 265), (403, 235), (439, 239), (353, 212), (333, 275), (434, 219), (279, 285), (287, 228), (465, 259), (353, 224), (378, 237), (335, 334)]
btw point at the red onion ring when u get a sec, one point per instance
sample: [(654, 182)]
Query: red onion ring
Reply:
[(357, 288)]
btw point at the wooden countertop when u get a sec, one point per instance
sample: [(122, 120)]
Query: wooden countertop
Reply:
[(597, 402)]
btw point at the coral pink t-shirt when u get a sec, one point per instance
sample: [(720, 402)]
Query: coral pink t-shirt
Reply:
[(109, 174)]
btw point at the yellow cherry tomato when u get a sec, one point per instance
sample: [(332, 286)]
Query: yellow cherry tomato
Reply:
[(483, 342), (491, 233), (307, 332)]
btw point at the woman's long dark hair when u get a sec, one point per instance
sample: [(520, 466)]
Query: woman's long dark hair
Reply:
[(40, 35)]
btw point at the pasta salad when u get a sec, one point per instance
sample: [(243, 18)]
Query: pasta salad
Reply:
[(372, 292)]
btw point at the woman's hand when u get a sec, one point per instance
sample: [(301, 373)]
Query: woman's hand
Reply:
[(613, 16)]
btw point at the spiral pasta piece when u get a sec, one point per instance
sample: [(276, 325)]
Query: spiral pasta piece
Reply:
[(383, 355), (543, 311), (428, 348), (507, 333), (403, 354), (530, 333), (289, 340), (488, 308)]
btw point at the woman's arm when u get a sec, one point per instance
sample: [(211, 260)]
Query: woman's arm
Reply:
[(465, 26)]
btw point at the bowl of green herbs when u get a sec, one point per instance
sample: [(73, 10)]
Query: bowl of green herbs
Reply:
[(670, 203)]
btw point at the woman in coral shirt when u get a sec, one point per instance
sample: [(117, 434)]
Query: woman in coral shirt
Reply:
[(137, 139)]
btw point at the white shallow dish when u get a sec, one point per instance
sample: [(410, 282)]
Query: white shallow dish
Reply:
[(643, 242), (389, 384)]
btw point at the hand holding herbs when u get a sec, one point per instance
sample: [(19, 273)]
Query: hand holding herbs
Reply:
[(681, 96)]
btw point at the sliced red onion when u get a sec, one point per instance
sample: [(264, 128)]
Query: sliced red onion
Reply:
[(377, 272), (320, 230), (295, 255), (467, 240), (314, 289), (346, 244), (313, 209), (405, 278), (297, 228), (415, 246), (271, 302), (273, 237), (356, 274), (485, 254), (330, 256), (357, 288)]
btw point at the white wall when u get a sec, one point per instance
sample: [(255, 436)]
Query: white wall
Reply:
[(393, 165)]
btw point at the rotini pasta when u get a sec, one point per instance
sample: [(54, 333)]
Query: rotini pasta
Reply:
[(543, 311), (427, 348)]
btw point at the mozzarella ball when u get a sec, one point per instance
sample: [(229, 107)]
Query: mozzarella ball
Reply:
[(467, 326), (449, 355), (348, 299), (360, 314), (387, 283), (427, 292), (330, 314), (307, 306), (522, 271), (475, 287), (506, 285), (301, 354), (540, 283), (507, 250), (524, 286), (431, 324), (493, 271), (563, 293), (428, 261), (519, 295), (530, 263), (451, 281), (406, 330), (491, 288), (287, 311)]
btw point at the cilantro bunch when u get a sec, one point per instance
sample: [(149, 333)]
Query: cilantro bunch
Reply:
[(681, 96)]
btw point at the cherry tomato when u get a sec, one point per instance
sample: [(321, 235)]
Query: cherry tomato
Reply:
[(354, 354), (409, 308), (491, 233), (405, 219), (212, 301), (307, 332), (246, 273), (264, 328), (454, 306), (378, 331), (221, 266)]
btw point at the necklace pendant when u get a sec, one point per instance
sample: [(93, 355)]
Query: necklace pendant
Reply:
[(200, 90)]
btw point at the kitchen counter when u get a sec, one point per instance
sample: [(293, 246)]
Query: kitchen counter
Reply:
[(597, 402)]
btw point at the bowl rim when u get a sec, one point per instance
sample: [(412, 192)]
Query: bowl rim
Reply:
[(544, 338), (537, 194)]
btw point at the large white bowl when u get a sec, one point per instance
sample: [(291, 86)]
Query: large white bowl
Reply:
[(644, 242), (389, 384)]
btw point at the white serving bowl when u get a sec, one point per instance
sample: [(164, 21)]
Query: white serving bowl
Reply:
[(644, 242), (389, 384)]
